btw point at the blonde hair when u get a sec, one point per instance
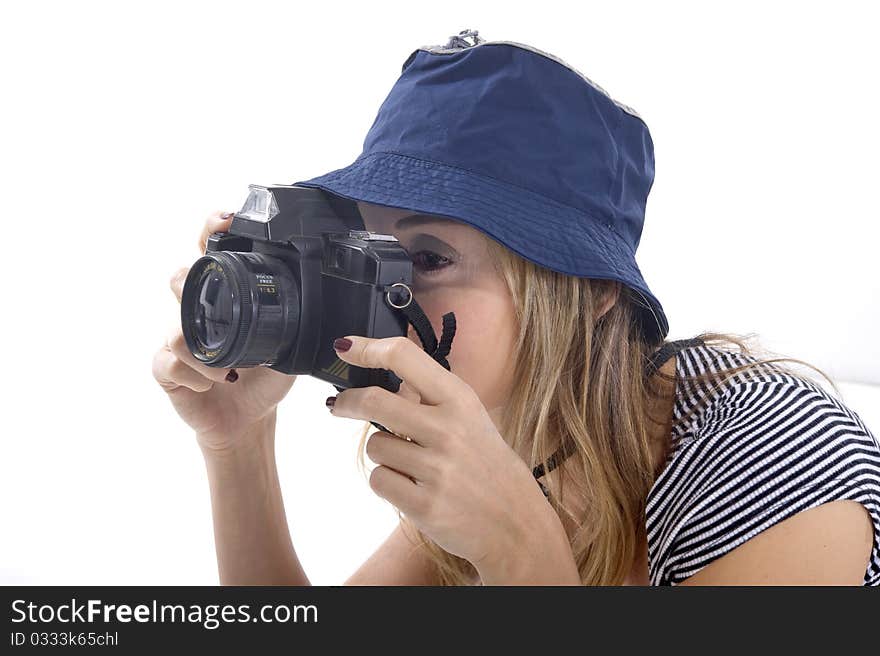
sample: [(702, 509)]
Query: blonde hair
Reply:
[(583, 380)]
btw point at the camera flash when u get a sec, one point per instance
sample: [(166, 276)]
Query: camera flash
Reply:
[(260, 204)]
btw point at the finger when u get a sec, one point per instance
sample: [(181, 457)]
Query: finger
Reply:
[(177, 280), (411, 498), (171, 373), (177, 343), (410, 362), (406, 390), (408, 458), (216, 222), (399, 415), (409, 393)]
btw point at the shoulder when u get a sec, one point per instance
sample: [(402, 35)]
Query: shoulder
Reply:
[(767, 449)]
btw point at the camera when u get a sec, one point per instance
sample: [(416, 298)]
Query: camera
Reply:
[(296, 270)]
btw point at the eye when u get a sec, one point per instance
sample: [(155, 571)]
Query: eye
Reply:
[(429, 262)]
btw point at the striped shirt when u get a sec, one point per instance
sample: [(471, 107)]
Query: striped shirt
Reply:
[(758, 452)]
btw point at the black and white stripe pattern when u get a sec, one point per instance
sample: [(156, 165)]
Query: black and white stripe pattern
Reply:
[(760, 451)]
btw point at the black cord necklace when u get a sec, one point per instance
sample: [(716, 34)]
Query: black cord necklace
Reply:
[(657, 360)]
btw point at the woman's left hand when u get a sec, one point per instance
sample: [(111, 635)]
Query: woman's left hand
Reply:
[(458, 481)]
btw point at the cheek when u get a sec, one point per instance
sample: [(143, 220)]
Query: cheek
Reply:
[(484, 338)]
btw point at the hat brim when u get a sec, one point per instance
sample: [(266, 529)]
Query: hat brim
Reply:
[(539, 229)]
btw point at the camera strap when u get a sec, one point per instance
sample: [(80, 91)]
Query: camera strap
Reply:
[(436, 349), (407, 305)]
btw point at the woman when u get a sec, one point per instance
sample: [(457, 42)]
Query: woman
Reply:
[(567, 444)]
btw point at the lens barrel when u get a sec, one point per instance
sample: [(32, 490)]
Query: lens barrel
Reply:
[(239, 309)]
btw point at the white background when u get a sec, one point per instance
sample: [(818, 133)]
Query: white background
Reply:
[(123, 126)]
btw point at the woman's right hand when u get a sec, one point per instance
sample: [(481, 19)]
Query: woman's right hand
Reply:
[(220, 411)]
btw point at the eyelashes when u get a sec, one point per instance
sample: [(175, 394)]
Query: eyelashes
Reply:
[(430, 263)]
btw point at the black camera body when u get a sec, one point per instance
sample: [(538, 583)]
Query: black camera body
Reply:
[(295, 271)]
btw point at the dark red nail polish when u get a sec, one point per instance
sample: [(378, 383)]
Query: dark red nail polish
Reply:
[(331, 401), (342, 344), (232, 376)]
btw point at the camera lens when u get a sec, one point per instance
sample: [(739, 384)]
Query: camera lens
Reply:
[(239, 309), (213, 311)]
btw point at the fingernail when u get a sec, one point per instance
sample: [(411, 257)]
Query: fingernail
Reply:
[(342, 344), (227, 215), (232, 376), (331, 401)]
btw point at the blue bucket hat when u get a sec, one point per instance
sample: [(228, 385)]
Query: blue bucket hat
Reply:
[(520, 145)]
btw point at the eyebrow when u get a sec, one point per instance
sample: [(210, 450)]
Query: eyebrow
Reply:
[(420, 219)]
